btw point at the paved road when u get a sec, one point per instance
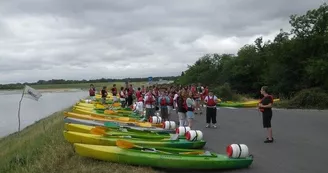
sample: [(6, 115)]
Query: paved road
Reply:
[(300, 137)]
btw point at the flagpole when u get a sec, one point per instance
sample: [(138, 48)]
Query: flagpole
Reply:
[(19, 107)]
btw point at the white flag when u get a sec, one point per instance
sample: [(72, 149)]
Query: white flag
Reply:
[(31, 93)]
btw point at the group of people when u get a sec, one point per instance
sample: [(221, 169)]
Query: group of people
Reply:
[(186, 101)]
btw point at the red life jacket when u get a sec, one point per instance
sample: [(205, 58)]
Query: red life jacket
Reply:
[(163, 101), (171, 102), (210, 101), (114, 91), (150, 99), (262, 109), (138, 94), (92, 92), (130, 92), (205, 92)]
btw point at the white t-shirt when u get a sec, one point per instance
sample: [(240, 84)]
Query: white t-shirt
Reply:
[(139, 106)]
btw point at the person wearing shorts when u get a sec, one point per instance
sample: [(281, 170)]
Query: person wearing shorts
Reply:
[(190, 109), (265, 106), (181, 109)]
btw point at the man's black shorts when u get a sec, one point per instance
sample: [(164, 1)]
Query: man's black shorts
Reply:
[(267, 116)]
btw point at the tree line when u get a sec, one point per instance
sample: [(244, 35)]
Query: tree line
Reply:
[(101, 80), (294, 63)]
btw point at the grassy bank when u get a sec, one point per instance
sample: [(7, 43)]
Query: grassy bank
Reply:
[(41, 147)]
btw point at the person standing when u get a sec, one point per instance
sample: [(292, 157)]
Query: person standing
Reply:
[(149, 102), (265, 106), (122, 97), (92, 92), (181, 108), (211, 101), (163, 101), (114, 92), (104, 94), (190, 104)]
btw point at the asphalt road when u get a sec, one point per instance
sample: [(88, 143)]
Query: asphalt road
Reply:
[(300, 138)]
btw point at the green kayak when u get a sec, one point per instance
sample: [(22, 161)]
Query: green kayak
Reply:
[(85, 138), (167, 158), (118, 132)]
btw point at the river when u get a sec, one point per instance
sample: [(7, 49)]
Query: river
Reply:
[(31, 110)]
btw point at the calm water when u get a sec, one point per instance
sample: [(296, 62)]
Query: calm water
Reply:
[(32, 110)]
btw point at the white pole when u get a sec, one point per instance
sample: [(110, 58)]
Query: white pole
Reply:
[(19, 107)]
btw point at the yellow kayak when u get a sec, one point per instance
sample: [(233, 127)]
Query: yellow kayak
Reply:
[(108, 119)]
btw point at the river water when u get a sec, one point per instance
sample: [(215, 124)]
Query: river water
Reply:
[(31, 110)]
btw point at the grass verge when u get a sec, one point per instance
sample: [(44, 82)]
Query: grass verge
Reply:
[(41, 147)]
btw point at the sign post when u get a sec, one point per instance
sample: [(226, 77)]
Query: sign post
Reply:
[(150, 80)]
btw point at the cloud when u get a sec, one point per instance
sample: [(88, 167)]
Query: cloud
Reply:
[(82, 39)]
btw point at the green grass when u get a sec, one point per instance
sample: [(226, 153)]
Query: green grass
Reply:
[(42, 148)]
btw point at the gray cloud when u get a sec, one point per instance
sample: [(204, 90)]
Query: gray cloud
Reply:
[(45, 39)]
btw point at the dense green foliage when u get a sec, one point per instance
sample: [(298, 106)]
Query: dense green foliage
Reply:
[(72, 82), (293, 61)]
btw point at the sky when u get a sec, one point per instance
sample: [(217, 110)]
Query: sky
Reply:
[(91, 39)]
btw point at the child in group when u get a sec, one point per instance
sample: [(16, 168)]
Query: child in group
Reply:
[(163, 101), (211, 101), (139, 106), (181, 108), (92, 92)]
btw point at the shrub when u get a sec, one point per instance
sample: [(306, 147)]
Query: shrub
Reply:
[(309, 98)]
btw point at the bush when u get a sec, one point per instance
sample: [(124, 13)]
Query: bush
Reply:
[(225, 93), (314, 98)]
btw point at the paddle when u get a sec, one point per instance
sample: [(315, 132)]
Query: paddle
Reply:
[(116, 125), (128, 145)]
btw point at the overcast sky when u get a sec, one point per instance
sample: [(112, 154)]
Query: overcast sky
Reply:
[(88, 39)]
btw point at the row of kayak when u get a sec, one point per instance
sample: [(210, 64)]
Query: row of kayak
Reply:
[(114, 134)]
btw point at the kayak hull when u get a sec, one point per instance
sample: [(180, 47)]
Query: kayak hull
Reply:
[(84, 138), (167, 161)]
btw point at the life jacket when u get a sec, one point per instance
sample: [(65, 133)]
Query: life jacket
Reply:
[(210, 101), (92, 92), (171, 102), (262, 109), (138, 94), (114, 91), (193, 89), (150, 99), (130, 91), (140, 99), (122, 95), (163, 101)]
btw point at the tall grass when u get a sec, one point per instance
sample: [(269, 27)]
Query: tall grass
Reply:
[(42, 148)]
